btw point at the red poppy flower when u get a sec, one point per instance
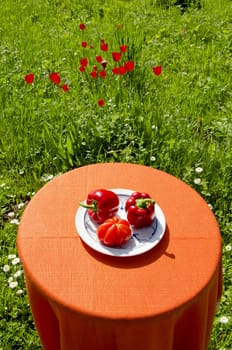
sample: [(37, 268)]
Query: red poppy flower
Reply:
[(82, 26), (123, 48), (157, 70), (55, 78), (98, 58), (104, 46), (116, 56), (122, 70), (84, 62), (65, 87), (82, 69), (29, 78), (101, 102), (115, 70), (129, 65), (84, 44), (93, 74), (102, 73)]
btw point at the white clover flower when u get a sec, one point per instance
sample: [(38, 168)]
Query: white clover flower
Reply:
[(15, 261), (228, 247), (11, 256), (10, 279), (19, 292), (210, 206), (46, 177), (18, 273), (152, 158), (224, 319), (14, 221), (13, 284), (20, 205), (6, 268), (198, 169), (11, 214), (197, 181)]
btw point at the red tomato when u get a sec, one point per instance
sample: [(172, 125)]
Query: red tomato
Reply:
[(114, 232)]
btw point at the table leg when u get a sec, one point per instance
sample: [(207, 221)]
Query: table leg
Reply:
[(197, 317), (78, 332), (45, 319)]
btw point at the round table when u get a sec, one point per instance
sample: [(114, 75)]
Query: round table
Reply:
[(163, 299)]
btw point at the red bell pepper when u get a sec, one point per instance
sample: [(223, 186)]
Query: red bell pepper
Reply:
[(114, 232), (140, 209), (101, 204)]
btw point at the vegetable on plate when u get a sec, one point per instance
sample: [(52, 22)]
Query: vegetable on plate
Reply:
[(101, 204), (140, 209), (114, 232)]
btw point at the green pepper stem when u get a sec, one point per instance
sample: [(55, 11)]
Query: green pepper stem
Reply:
[(92, 206), (143, 202)]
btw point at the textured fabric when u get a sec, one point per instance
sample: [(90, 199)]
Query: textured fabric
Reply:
[(164, 299)]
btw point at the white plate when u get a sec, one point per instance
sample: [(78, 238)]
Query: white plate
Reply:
[(142, 240)]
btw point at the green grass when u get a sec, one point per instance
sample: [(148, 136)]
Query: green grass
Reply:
[(177, 122)]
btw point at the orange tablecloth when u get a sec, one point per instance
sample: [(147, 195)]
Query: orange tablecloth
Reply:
[(164, 299)]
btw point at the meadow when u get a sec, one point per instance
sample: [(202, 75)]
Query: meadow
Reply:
[(163, 99)]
